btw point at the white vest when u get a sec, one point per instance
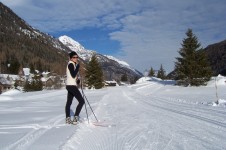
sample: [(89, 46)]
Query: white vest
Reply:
[(70, 79)]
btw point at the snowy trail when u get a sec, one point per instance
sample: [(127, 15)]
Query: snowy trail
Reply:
[(142, 116), (34, 134), (143, 123), (202, 121), (193, 117), (35, 121)]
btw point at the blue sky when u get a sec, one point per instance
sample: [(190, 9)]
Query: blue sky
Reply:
[(144, 33), (93, 39)]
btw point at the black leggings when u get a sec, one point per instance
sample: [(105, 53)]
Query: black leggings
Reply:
[(73, 92)]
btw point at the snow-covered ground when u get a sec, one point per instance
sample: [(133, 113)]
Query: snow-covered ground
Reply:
[(149, 115)]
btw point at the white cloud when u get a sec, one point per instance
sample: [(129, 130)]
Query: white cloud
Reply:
[(153, 37), (14, 3), (72, 14)]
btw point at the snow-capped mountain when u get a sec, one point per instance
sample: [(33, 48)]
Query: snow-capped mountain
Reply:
[(84, 53), (119, 61), (113, 68), (77, 47)]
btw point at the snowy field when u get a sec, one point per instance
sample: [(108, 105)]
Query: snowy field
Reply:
[(149, 115)]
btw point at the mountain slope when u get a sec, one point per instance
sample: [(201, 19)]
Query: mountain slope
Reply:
[(216, 54), (27, 46), (113, 68)]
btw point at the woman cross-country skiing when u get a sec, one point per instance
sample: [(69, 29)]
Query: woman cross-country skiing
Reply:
[(71, 86)]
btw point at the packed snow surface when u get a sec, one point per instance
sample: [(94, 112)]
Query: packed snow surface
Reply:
[(149, 115)]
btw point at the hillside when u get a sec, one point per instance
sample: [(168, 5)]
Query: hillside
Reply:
[(216, 54), (23, 46)]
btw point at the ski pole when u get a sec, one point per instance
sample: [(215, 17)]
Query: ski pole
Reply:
[(87, 101), (91, 108), (86, 113)]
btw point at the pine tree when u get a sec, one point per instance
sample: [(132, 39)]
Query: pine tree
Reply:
[(13, 65), (161, 73), (124, 78), (27, 86), (151, 73), (39, 66), (94, 74), (192, 67), (34, 85), (204, 71), (32, 68), (37, 83)]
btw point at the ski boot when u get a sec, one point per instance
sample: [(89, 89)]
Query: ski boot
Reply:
[(76, 119), (68, 120)]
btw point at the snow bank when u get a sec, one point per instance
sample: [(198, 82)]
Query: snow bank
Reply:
[(12, 92), (143, 79), (154, 79), (219, 81), (5, 98), (221, 102)]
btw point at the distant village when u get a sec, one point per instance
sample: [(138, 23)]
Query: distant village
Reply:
[(49, 80)]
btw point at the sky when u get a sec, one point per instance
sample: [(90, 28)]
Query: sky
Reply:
[(144, 33)]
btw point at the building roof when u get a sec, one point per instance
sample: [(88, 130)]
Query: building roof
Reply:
[(4, 81), (26, 71)]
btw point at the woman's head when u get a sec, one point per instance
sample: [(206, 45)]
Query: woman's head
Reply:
[(73, 56)]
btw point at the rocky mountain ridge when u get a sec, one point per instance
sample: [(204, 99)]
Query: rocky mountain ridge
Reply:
[(113, 68)]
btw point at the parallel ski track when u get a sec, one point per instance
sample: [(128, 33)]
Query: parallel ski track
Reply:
[(89, 136), (146, 134), (173, 107), (181, 112), (40, 95), (35, 134), (174, 101), (140, 137), (156, 101)]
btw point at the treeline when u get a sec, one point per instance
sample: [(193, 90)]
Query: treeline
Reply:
[(22, 46), (20, 51), (191, 67), (161, 73), (34, 85)]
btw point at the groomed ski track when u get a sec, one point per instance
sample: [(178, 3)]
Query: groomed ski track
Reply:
[(141, 121)]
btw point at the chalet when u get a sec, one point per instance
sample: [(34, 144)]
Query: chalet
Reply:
[(110, 83), (46, 74), (49, 83), (52, 82), (26, 72), (4, 85)]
